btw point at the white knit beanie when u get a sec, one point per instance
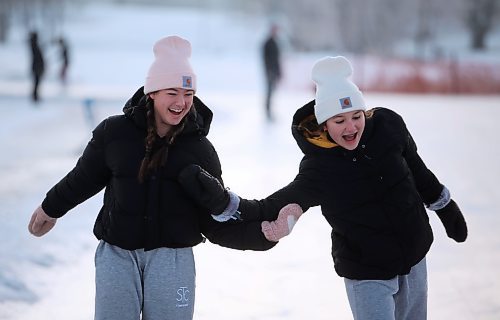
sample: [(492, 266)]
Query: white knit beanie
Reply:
[(335, 92), (171, 67)]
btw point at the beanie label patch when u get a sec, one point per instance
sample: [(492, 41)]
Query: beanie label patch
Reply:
[(187, 82), (345, 103)]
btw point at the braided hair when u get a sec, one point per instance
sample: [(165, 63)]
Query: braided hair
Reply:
[(156, 147)]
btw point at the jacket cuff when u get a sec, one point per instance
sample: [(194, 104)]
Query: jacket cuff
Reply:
[(49, 210), (231, 211), (442, 201)]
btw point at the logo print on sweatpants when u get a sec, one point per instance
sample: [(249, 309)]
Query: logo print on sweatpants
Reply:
[(182, 297)]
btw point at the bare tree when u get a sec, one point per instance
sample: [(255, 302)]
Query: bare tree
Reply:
[(480, 20), (374, 25), (312, 24)]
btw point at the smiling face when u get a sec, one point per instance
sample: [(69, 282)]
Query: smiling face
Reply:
[(346, 128), (170, 106)]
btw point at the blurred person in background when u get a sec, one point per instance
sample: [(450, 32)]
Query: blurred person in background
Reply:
[(64, 57), (272, 67), (37, 65), (362, 167), (148, 225)]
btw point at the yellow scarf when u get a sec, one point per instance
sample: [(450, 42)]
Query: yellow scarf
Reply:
[(314, 133)]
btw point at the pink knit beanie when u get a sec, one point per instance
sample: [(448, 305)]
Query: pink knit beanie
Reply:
[(171, 67)]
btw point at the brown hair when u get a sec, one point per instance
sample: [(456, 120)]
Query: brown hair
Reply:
[(310, 128), (154, 159)]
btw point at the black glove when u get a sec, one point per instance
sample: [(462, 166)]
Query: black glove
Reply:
[(453, 221), (204, 188)]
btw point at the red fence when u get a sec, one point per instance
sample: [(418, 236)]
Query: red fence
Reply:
[(412, 76)]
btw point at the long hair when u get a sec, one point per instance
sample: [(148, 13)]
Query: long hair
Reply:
[(157, 148)]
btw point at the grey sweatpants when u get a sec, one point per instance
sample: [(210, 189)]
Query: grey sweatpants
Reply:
[(400, 298), (159, 284)]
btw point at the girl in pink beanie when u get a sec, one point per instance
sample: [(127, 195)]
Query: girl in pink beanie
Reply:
[(147, 226)]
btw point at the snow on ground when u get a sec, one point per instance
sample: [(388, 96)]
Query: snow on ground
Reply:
[(52, 277)]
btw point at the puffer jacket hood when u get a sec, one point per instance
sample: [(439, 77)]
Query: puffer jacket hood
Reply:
[(198, 122), (317, 141), (301, 115)]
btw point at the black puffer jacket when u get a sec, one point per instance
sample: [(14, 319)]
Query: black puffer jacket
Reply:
[(156, 213), (373, 197)]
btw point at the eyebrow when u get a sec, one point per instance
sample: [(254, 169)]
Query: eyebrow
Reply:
[(343, 116), (177, 90)]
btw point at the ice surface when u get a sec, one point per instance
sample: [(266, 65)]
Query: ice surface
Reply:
[(44, 278)]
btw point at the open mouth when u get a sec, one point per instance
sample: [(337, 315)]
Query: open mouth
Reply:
[(176, 111), (350, 137)]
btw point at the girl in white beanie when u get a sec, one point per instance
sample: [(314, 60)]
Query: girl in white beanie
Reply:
[(362, 167), (147, 225)]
